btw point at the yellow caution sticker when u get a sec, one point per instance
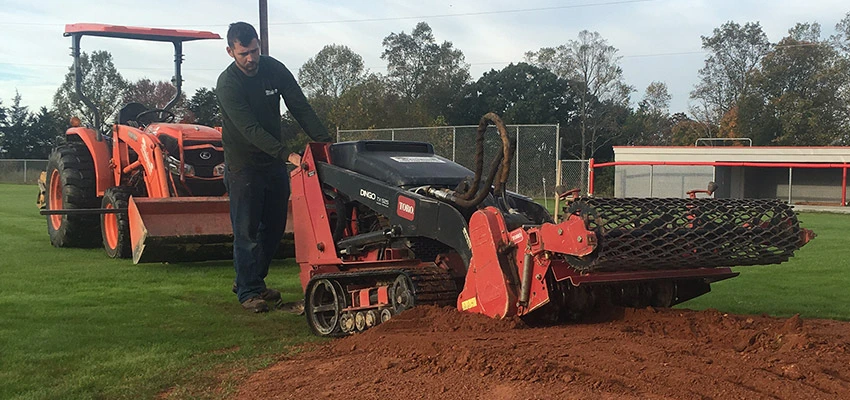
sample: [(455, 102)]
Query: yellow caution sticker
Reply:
[(467, 304)]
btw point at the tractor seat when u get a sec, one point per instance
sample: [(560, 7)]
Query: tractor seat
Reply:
[(129, 112)]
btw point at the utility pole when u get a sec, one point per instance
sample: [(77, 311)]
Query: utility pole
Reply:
[(264, 27)]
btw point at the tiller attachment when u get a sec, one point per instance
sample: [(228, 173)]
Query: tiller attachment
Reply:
[(638, 234), (180, 229)]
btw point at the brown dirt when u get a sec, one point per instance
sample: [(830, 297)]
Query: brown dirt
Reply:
[(431, 352)]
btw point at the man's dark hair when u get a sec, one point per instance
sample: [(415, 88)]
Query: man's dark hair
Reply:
[(241, 31)]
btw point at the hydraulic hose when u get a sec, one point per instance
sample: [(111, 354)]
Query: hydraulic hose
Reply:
[(501, 164)]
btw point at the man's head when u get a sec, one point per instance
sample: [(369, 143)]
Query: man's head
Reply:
[(243, 45)]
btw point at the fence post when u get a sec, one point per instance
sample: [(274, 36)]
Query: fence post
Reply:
[(25, 171), (392, 137), (337, 134), (651, 174), (517, 160), (558, 154), (789, 184), (454, 141)]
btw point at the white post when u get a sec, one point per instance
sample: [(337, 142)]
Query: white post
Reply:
[(651, 172), (392, 137), (337, 134), (25, 171), (789, 184)]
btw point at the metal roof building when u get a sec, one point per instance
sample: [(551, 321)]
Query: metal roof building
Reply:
[(799, 175)]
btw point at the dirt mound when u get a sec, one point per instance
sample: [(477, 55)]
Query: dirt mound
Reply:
[(431, 352)]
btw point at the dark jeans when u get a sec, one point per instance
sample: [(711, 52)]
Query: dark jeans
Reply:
[(258, 201)]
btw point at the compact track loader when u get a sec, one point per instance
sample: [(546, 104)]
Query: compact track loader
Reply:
[(151, 188), (382, 226)]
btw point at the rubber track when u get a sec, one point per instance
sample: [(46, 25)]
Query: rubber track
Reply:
[(432, 284)]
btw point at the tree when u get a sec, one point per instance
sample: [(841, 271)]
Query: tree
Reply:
[(46, 130), (735, 51), (841, 39), (651, 125), (592, 67), (656, 98), (418, 69), (155, 95), (102, 84), (519, 93), (370, 104), (203, 108), (27, 136), (331, 72), (799, 94), (685, 131)]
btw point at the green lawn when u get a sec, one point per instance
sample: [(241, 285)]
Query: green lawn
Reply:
[(813, 283), (75, 324)]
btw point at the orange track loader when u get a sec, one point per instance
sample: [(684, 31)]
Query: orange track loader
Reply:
[(151, 188)]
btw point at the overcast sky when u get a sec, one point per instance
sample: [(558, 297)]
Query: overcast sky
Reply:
[(659, 40)]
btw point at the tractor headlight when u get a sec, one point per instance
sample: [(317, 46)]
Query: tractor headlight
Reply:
[(174, 167), (218, 170)]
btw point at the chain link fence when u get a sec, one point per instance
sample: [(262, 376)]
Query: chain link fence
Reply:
[(533, 170), (21, 171), (573, 175)]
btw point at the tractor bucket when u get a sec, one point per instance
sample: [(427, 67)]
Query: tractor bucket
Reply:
[(180, 229)]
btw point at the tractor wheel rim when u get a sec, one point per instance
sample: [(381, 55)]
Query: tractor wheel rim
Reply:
[(110, 228), (55, 200)]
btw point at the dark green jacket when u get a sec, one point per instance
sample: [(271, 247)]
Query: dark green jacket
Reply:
[(250, 111)]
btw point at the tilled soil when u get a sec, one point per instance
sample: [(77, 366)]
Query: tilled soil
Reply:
[(440, 353)]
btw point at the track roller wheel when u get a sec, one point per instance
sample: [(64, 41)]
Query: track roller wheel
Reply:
[(402, 294), (346, 322), (386, 314), (71, 185), (372, 318), (324, 307), (360, 321), (115, 228)]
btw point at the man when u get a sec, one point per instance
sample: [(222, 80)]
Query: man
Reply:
[(249, 93)]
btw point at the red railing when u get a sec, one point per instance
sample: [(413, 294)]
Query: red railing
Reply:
[(592, 166)]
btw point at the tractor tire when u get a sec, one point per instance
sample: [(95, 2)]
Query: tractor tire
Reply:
[(115, 228), (71, 185)]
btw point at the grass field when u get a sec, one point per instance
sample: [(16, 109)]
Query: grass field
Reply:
[(75, 324)]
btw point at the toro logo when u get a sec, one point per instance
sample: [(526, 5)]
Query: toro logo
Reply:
[(406, 208), (367, 194)]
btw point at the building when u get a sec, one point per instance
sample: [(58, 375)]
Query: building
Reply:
[(799, 175)]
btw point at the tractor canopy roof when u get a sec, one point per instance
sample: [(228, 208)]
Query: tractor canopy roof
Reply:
[(138, 33)]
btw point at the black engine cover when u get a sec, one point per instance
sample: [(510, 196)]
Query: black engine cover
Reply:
[(398, 163)]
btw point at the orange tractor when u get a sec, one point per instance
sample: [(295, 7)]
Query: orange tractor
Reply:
[(152, 187)]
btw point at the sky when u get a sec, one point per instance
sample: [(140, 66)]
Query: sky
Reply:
[(658, 40)]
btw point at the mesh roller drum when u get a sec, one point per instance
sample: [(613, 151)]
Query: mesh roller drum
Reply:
[(637, 234)]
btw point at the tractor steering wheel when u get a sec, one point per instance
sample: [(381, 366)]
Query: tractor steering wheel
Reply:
[(155, 115)]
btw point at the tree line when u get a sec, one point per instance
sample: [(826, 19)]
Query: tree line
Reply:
[(795, 92)]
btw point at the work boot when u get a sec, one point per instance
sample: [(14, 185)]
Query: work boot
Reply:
[(295, 307), (255, 304), (271, 296)]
